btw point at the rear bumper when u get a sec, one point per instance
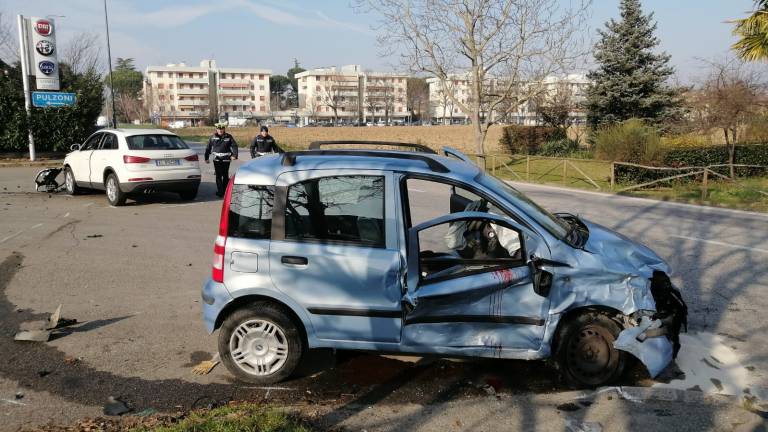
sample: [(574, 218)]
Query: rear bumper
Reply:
[(215, 298), (160, 186)]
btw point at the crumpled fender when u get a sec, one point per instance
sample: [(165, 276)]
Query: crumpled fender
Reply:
[(654, 351)]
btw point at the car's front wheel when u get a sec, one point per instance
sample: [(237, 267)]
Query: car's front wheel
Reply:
[(260, 344), (585, 353), (70, 183), (115, 196)]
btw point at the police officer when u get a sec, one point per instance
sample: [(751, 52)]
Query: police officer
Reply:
[(223, 148), (264, 143)]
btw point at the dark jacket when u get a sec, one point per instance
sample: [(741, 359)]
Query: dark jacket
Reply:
[(265, 144), (221, 144)]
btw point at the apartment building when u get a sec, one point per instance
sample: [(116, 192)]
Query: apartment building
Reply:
[(196, 95), (348, 94), (444, 110)]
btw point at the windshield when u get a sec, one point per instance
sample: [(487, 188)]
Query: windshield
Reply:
[(550, 222), (155, 142)]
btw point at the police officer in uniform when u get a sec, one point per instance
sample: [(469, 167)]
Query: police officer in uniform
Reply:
[(223, 148), (264, 143)]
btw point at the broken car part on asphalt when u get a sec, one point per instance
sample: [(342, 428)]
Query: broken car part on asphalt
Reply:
[(55, 321)]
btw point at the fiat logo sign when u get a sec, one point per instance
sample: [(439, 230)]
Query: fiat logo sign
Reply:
[(47, 67), (44, 47), (43, 27)]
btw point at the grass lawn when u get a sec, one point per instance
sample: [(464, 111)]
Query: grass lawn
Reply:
[(745, 194), (577, 173), (233, 418)]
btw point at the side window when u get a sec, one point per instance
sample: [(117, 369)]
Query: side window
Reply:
[(109, 142), (250, 211), (93, 142), (345, 209), (464, 247)]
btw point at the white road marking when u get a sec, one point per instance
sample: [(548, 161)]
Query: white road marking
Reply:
[(36, 226), (660, 203), (182, 205), (415, 190), (13, 402), (88, 205), (715, 242), (11, 236)]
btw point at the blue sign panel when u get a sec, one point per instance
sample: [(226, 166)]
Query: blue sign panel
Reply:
[(53, 99)]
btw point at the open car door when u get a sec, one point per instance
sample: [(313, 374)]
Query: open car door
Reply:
[(473, 287)]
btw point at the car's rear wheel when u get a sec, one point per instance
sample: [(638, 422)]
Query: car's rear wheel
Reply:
[(115, 196), (585, 353), (189, 194), (69, 182), (260, 344)]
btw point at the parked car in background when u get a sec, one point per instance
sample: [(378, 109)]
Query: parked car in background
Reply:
[(125, 162), (412, 252)]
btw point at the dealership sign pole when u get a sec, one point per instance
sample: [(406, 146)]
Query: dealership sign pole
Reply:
[(25, 77)]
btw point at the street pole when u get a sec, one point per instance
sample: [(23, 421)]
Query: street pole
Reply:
[(25, 80), (109, 58)]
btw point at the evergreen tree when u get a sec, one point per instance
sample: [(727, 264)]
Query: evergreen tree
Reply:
[(631, 79)]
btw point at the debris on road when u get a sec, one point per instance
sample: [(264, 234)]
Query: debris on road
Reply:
[(19, 395), (574, 425), (33, 336), (55, 321), (94, 236), (206, 366), (115, 407)]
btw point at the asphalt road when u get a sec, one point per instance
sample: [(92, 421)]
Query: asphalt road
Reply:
[(131, 276)]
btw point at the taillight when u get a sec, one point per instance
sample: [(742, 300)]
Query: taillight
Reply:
[(221, 240), (135, 159), (192, 158)]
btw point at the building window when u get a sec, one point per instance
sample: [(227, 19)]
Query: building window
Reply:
[(317, 88), (261, 87), (304, 79), (171, 97), (261, 77), (262, 108), (261, 98), (161, 86), (170, 86), (253, 98), (159, 74)]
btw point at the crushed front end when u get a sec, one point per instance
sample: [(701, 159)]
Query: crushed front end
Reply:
[(654, 337)]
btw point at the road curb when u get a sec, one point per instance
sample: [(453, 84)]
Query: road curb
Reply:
[(663, 394), (43, 163)]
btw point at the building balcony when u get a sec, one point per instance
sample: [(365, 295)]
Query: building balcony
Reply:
[(192, 80), (192, 103), (235, 81), (232, 91), (192, 91), (235, 102)]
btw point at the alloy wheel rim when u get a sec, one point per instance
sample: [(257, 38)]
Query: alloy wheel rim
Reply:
[(111, 189), (70, 182), (259, 347)]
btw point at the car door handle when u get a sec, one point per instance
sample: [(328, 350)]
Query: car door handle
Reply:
[(294, 260)]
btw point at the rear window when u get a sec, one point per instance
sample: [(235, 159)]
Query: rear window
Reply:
[(155, 142), (250, 211)]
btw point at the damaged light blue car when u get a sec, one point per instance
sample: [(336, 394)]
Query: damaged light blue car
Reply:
[(399, 249)]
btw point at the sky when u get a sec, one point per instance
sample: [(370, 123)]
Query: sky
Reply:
[(272, 33)]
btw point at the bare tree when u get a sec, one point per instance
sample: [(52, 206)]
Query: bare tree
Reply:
[(83, 54), (335, 93), (514, 42), (417, 96), (556, 107), (727, 99), (9, 46)]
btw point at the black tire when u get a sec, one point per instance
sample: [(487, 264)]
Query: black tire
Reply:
[(585, 354), (115, 197), (261, 312), (70, 183), (189, 194)]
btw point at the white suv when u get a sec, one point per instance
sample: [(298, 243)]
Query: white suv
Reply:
[(132, 161)]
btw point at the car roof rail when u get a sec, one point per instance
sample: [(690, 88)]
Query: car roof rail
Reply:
[(450, 151), (289, 158), (317, 145)]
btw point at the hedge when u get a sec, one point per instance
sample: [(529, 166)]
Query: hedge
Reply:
[(746, 154), (528, 139)]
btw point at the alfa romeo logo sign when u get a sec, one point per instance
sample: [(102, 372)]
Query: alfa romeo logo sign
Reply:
[(47, 67), (45, 47), (43, 27)]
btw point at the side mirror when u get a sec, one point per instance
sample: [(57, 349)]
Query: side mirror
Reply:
[(74, 147)]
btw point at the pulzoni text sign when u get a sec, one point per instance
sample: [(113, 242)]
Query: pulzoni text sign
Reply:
[(53, 99)]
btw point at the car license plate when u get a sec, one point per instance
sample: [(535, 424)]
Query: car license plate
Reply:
[(167, 162)]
